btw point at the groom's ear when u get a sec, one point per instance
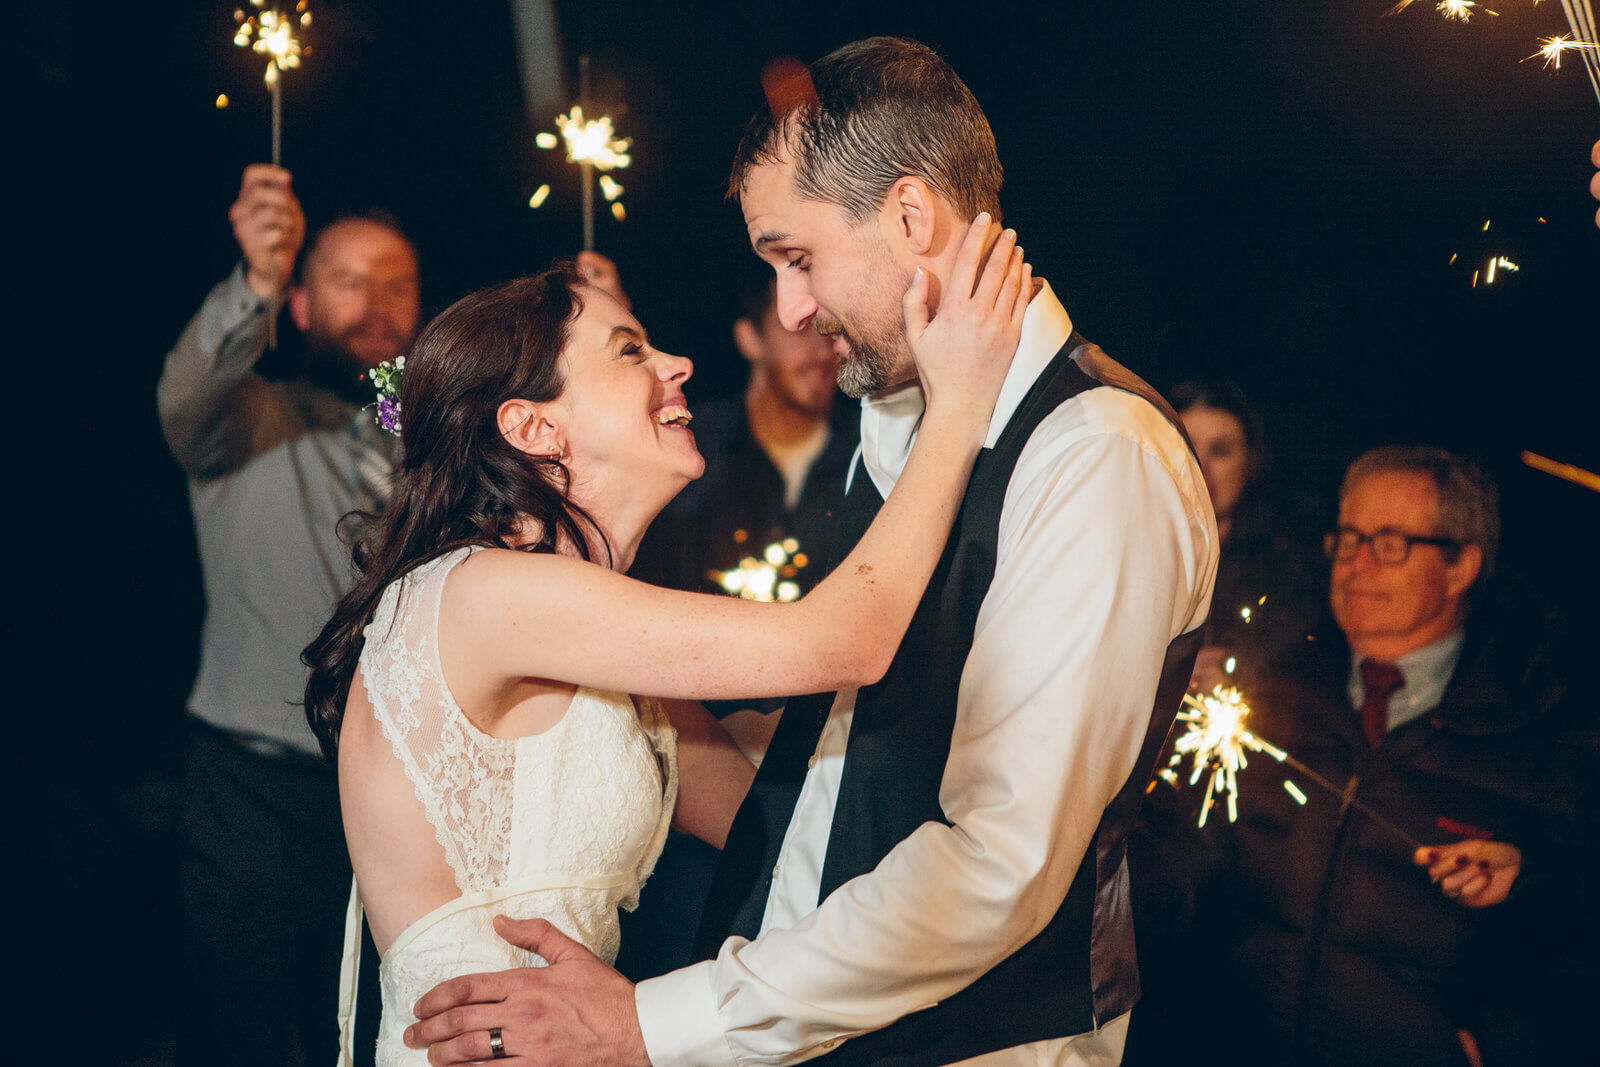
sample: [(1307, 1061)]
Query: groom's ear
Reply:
[(913, 215), (528, 428)]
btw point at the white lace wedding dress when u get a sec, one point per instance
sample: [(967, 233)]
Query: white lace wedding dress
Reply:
[(564, 825)]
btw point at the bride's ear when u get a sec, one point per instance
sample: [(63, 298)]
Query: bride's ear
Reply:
[(527, 427)]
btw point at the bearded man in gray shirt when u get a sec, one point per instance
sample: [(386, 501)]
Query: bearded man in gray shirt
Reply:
[(273, 467)]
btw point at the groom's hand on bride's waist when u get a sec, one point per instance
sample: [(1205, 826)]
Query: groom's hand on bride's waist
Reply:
[(576, 1011)]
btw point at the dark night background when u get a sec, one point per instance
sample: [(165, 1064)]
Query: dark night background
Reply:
[(1248, 189)]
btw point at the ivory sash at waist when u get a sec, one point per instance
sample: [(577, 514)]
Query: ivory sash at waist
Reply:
[(349, 970), (486, 897)]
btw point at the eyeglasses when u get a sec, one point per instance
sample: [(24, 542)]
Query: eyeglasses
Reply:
[(1390, 547)]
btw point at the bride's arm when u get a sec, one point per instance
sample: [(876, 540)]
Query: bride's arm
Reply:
[(561, 618), (713, 774)]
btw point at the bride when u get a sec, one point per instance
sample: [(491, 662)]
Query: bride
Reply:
[(473, 687)]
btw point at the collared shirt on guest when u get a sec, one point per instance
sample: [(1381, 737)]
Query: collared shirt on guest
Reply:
[(1107, 549), (1426, 671)]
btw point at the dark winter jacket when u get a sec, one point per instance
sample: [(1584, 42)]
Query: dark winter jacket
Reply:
[(1340, 950)]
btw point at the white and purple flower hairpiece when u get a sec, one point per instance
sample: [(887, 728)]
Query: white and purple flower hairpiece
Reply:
[(386, 378)]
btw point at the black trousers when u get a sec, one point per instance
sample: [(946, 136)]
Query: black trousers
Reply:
[(264, 881)]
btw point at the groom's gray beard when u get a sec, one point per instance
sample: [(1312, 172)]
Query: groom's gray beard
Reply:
[(865, 370)]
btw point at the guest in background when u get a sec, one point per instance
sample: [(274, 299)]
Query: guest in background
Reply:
[(1264, 599), (273, 467), (776, 457), (1348, 942)]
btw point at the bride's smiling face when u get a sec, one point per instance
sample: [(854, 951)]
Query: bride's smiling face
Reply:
[(623, 413)]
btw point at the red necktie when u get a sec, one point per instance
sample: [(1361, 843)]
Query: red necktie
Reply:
[(1379, 681)]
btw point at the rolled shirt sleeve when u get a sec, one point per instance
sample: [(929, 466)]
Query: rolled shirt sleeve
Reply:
[(1106, 552), (198, 396)]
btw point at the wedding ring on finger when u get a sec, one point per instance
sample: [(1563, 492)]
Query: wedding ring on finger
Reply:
[(497, 1046)]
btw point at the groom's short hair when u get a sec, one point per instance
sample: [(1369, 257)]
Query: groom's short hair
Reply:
[(875, 111)]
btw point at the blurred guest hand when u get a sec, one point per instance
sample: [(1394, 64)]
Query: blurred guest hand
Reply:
[(1594, 183), (269, 226), (1475, 874), (601, 273)]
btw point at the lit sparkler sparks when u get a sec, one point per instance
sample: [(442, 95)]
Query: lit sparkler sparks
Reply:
[(270, 32), (1500, 263), (591, 141), (1552, 49), (1458, 10), (594, 145), (1218, 745), (1489, 265), (769, 577), (1495, 266)]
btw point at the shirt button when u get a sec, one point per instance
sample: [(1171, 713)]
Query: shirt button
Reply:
[(812, 762), (775, 867)]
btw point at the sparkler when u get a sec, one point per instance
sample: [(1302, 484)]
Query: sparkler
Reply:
[(768, 578), (593, 145), (1458, 10), (1586, 39), (1552, 48), (1494, 264), (1461, 10), (269, 32), (1218, 744), (1566, 471)]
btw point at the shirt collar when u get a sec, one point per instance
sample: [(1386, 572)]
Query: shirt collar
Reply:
[(1427, 672), (889, 423)]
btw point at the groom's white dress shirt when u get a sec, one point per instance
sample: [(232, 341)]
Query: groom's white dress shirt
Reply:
[(1107, 550)]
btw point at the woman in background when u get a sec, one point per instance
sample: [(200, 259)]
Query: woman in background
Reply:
[(1269, 582)]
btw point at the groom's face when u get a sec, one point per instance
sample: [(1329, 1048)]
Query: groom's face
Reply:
[(838, 278)]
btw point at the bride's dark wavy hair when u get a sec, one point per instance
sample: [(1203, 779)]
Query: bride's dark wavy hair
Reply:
[(460, 482)]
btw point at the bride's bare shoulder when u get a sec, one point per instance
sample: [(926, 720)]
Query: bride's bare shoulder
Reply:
[(493, 575), (489, 563)]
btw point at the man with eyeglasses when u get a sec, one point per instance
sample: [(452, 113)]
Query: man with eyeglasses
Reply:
[(1423, 911)]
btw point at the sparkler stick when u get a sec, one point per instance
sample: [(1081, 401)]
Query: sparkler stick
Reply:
[(585, 167), (1575, 475), (1580, 19), (1350, 801)]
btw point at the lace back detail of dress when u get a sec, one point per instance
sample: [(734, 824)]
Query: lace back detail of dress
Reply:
[(463, 778)]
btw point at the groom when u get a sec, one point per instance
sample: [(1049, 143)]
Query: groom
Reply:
[(929, 869)]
